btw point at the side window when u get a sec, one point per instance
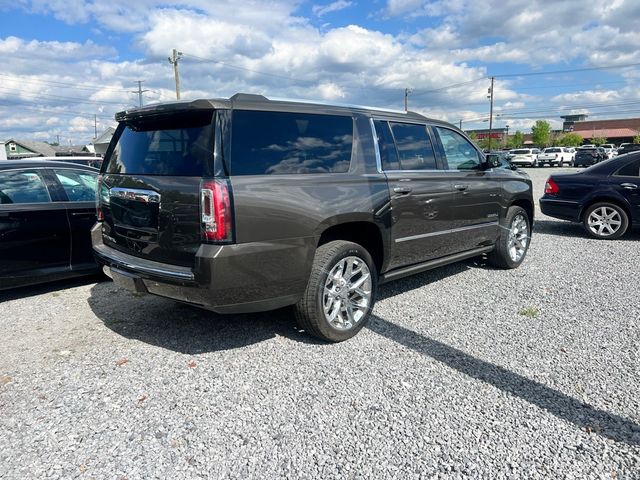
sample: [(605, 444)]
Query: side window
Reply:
[(79, 185), (290, 143), (415, 151), (459, 152), (388, 153), (630, 170), (24, 186)]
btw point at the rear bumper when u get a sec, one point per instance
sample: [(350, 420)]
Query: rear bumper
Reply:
[(523, 161), (240, 278), (563, 209)]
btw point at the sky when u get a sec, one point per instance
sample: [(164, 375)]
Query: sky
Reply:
[(69, 65)]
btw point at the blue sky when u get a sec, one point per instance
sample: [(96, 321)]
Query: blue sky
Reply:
[(66, 61)]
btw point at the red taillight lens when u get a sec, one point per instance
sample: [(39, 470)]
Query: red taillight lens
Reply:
[(551, 187), (215, 210)]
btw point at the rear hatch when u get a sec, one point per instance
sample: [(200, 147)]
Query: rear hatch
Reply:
[(150, 183), (589, 154)]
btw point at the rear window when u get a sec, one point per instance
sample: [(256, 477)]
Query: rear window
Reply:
[(290, 143), (520, 152), (176, 145), (552, 150)]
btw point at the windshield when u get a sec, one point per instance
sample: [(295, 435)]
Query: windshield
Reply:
[(180, 145)]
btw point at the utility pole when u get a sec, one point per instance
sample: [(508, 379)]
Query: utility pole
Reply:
[(491, 111), (173, 60), (95, 126), (407, 91), (140, 91), (460, 127)]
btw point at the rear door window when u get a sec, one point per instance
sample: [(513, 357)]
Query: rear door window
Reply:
[(459, 152), (630, 170), (415, 150), (79, 185), (23, 186), (272, 143), (176, 145), (388, 153)]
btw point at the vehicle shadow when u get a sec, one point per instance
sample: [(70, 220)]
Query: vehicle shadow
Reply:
[(570, 229), (186, 329), (49, 287), (191, 330), (565, 407)]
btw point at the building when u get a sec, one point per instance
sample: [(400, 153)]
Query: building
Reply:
[(615, 131), (101, 143), (570, 120), (17, 149)]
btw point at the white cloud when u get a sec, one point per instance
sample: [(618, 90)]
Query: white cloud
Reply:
[(321, 10)]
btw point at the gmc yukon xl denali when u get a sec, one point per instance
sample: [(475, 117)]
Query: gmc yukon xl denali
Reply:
[(249, 204)]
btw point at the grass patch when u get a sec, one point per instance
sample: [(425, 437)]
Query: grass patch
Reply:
[(530, 312)]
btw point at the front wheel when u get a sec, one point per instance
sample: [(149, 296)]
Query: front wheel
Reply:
[(605, 220), (513, 242), (340, 294)]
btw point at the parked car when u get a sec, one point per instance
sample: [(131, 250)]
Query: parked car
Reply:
[(95, 162), (47, 210), (555, 156), (527, 157), (263, 204), (609, 149), (628, 147), (588, 145), (586, 156), (604, 197), (499, 159), (572, 151)]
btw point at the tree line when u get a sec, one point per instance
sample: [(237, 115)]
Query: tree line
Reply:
[(542, 136)]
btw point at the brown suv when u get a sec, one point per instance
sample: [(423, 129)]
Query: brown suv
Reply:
[(248, 204)]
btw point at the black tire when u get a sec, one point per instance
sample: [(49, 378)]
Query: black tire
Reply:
[(622, 217), (500, 256), (561, 164), (309, 310)]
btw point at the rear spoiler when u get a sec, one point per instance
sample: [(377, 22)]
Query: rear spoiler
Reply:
[(163, 109)]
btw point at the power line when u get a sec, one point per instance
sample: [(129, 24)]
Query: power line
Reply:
[(75, 86), (12, 90), (574, 70)]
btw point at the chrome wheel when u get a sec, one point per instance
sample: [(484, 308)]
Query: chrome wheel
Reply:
[(518, 238), (347, 293), (604, 221)]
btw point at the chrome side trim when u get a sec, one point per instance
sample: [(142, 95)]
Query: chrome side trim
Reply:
[(376, 145), (444, 232), (138, 195)]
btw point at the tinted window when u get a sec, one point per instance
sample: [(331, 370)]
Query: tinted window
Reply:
[(289, 143), (22, 187), (459, 152), (552, 150), (630, 170), (415, 151), (388, 153), (176, 145), (80, 186), (520, 152)]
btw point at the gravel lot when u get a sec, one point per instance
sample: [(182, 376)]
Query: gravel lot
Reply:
[(464, 372)]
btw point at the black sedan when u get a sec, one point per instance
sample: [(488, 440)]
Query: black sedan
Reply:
[(47, 209), (605, 197)]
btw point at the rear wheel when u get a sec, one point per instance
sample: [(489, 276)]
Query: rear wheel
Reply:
[(513, 242), (605, 220), (340, 294)]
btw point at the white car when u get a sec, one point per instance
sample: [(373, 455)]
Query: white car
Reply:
[(524, 156), (610, 149), (555, 156)]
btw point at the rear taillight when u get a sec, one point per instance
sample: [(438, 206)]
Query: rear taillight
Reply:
[(551, 187), (215, 211)]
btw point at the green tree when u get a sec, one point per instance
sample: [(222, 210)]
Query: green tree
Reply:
[(516, 140), (571, 140), (540, 133), (495, 144), (636, 139)]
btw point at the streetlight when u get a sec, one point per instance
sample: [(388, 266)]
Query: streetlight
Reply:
[(507, 135)]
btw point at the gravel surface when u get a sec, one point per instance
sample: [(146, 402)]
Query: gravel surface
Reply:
[(464, 372)]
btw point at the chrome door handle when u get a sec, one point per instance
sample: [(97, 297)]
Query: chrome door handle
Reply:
[(402, 190), (460, 187), (629, 186)]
